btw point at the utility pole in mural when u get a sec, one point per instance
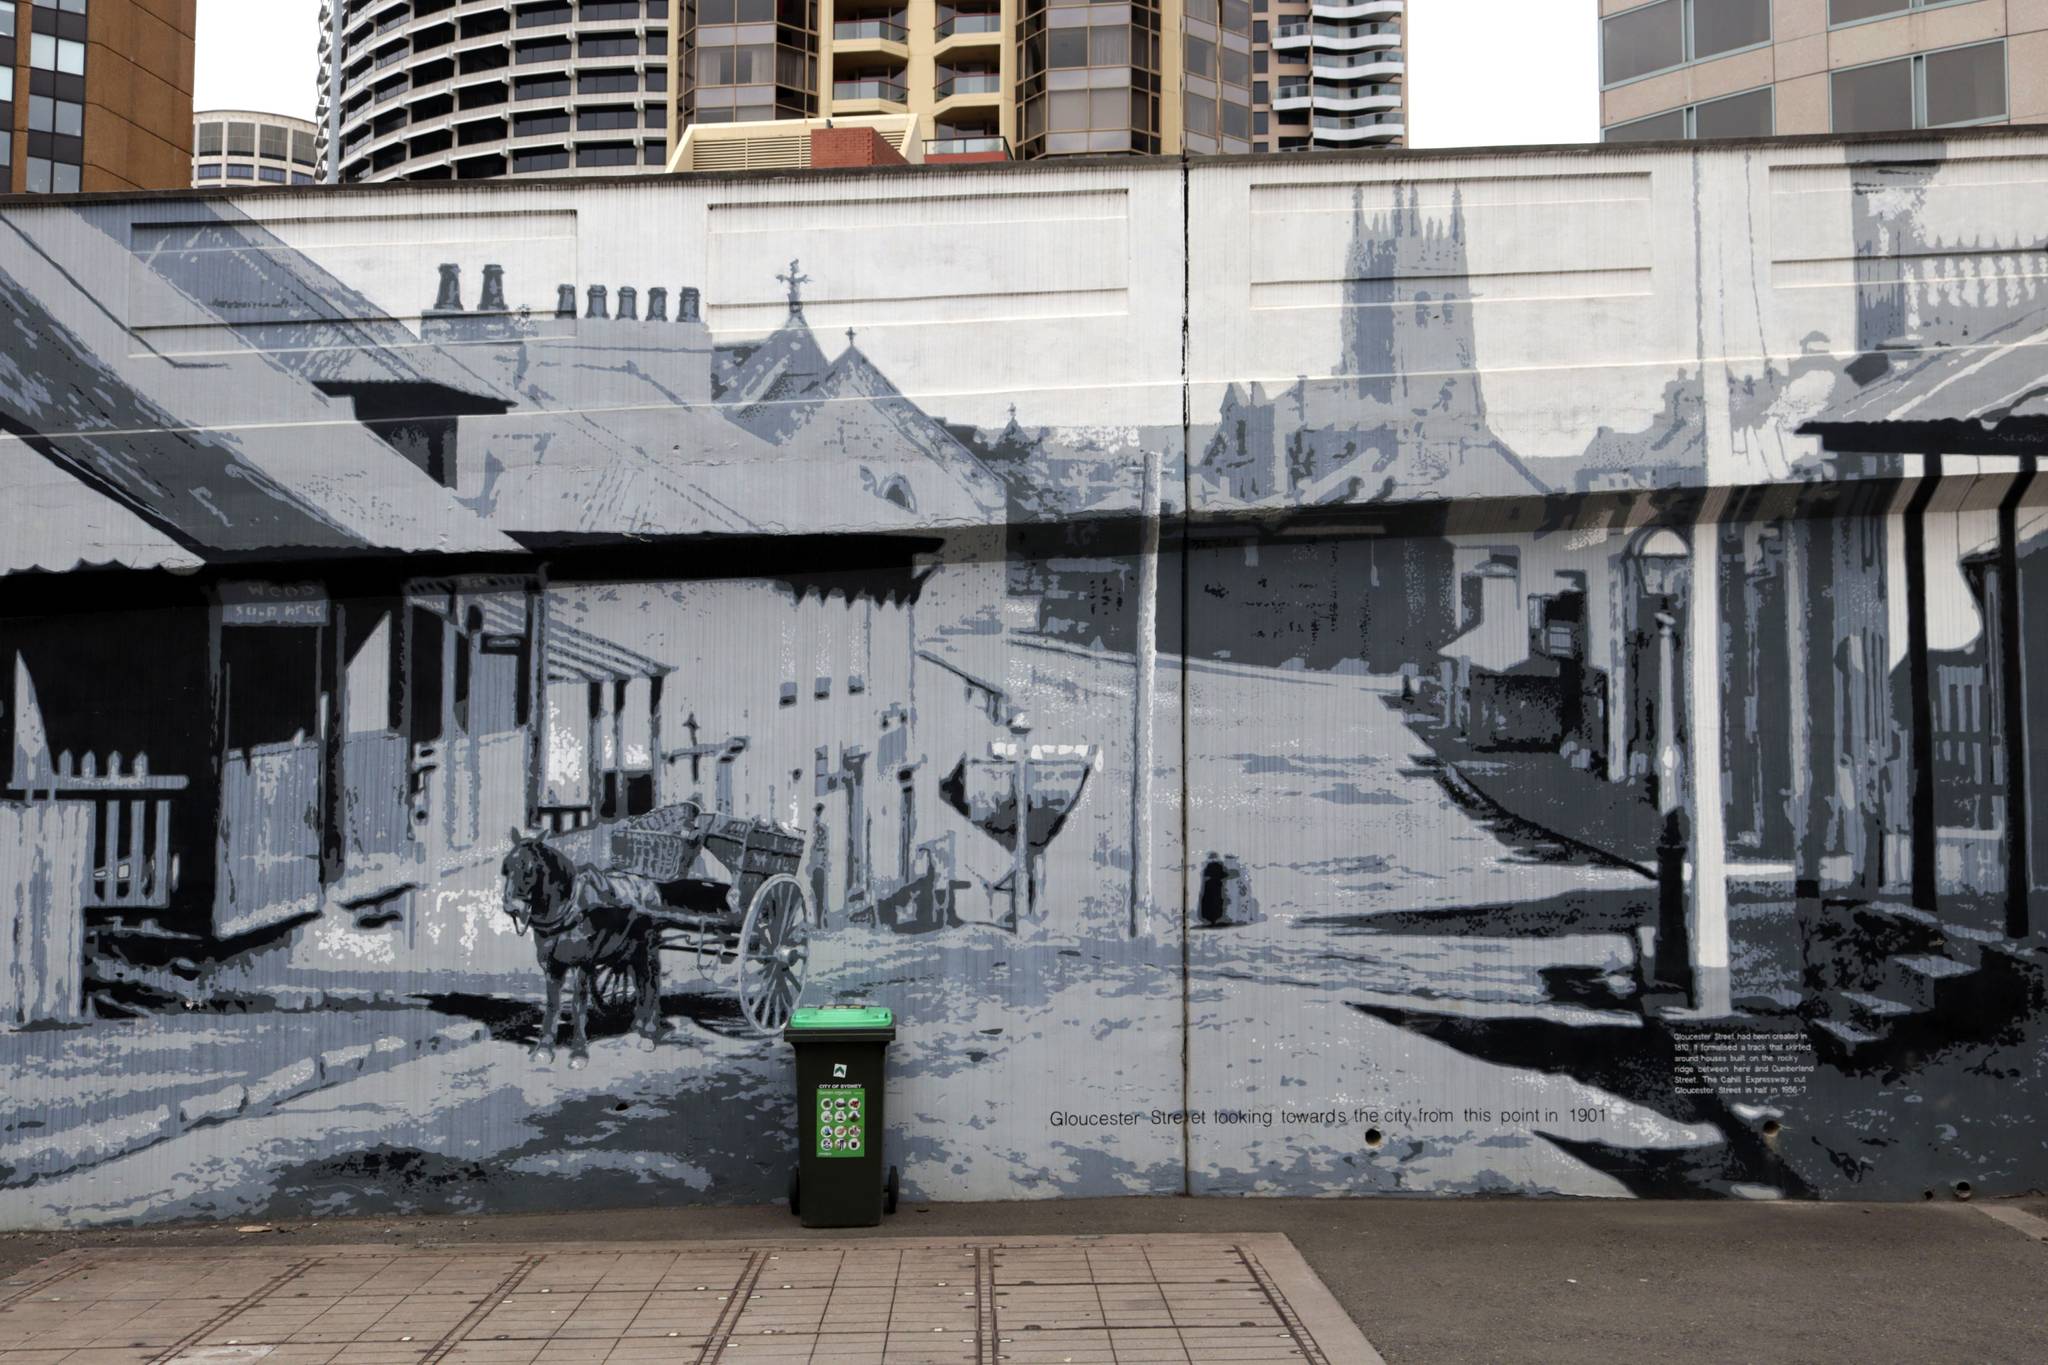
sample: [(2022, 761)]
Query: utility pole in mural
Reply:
[(1569, 732)]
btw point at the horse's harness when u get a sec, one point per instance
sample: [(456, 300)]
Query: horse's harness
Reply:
[(521, 907)]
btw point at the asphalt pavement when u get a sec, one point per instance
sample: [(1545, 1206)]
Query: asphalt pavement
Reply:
[(1465, 1280)]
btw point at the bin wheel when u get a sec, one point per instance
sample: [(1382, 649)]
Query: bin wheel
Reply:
[(891, 1187), (795, 1192)]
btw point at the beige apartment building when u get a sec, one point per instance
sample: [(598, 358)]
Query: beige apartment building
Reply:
[(983, 79), (1741, 68), (244, 148)]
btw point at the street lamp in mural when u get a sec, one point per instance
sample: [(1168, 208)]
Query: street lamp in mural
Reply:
[(1662, 559), (1045, 780)]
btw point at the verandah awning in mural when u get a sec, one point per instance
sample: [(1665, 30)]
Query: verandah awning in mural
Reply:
[(1954, 398), (117, 416), (573, 655)]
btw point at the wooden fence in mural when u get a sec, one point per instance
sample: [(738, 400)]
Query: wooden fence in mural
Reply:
[(45, 856), (132, 862)]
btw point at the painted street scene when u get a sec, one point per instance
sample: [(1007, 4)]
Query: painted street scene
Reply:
[(465, 694)]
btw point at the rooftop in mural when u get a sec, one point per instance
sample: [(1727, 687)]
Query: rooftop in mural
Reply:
[(446, 437)]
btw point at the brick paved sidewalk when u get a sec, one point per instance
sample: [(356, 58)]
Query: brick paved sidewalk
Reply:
[(1169, 1299)]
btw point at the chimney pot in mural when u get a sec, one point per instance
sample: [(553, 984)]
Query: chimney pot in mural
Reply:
[(493, 300), (1546, 661), (449, 300)]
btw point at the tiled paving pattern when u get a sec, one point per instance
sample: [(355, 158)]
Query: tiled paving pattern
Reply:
[(1170, 1300)]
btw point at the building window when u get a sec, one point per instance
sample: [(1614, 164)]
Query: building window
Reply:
[(1670, 33), (272, 141), (47, 52), (302, 148), (1728, 26), (1748, 114), (1963, 85), (542, 159), (241, 139), (624, 154), (301, 178), (274, 174), (6, 18), (1873, 98), (1857, 11), (68, 6), (541, 88), (1956, 86), (1668, 126), (239, 171), (556, 50), (607, 118), (611, 9), (609, 45), (535, 125), (51, 177), (64, 117), (209, 139), (606, 82)]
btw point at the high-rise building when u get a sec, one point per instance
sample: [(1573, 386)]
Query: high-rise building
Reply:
[(1336, 76), (240, 148), (466, 89), (1034, 78), (95, 94), (1744, 68)]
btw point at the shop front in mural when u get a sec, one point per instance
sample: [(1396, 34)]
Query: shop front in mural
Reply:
[(1536, 697)]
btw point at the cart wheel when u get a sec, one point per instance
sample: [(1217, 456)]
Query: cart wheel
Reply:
[(891, 1187), (612, 989), (796, 1206), (774, 952)]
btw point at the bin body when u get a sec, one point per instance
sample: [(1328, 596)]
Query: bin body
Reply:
[(841, 1074)]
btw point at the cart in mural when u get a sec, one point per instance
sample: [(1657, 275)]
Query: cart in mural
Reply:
[(731, 900)]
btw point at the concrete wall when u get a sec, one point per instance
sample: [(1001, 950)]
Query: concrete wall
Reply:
[(1523, 666)]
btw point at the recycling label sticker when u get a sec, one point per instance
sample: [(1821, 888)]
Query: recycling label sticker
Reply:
[(842, 1120)]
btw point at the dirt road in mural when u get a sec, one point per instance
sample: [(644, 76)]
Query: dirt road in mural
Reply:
[(1414, 894), (1411, 892)]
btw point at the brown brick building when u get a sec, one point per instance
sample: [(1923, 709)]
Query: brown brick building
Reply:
[(96, 94)]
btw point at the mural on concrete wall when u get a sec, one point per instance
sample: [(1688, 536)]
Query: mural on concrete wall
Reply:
[(455, 717)]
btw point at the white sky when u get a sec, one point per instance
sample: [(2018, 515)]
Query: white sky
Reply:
[(1481, 72)]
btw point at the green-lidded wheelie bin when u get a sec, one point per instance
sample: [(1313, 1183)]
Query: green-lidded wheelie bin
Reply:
[(840, 1078)]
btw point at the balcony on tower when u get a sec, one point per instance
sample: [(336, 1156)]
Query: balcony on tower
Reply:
[(966, 33)]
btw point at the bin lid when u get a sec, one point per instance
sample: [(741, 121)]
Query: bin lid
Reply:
[(841, 1017)]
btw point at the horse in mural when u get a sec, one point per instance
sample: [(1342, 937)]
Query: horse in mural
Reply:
[(592, 924)]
